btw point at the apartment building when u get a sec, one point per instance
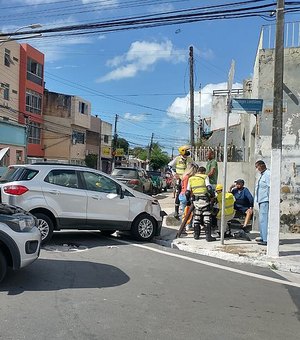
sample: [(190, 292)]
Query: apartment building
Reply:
[(31, 90), (66, 120), (13, 135)]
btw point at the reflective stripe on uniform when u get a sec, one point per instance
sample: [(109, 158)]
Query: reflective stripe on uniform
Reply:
[(197, 184)]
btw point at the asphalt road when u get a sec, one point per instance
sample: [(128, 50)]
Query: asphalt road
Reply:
[(85, 286)]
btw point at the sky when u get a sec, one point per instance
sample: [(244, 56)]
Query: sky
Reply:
[(141, 75)]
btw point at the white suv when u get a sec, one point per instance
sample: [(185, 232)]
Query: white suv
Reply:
[(20, 238), (75, 197)]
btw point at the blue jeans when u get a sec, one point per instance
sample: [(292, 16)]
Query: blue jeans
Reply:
[(263, 220), (182, 203)]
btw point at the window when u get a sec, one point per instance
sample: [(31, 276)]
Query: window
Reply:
[(64, 178), (105, 139), (34, 71), (34, 133), (33, 102), (97, 182), (19, 156), (7, 59), (5, 88), (78, 137), (83, 108)]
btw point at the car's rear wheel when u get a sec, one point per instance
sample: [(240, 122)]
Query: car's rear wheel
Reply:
[(3, 266), (143, 228), (45, 226)]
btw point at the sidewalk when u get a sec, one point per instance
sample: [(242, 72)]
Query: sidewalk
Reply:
[(233, 250)]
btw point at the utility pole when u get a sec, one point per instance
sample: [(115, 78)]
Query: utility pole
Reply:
[(114, 143), (150, 151), (99, 167), (276, 153), (26, 138), (191, 59), (229, 89)]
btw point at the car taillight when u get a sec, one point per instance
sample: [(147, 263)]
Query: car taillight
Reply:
[(134, 182), (15, 189)]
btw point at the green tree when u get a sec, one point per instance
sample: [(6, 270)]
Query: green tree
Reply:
[(122, 144), (91, 160), (159, 159)]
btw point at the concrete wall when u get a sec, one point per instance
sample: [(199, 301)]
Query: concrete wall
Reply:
[(290, 189)]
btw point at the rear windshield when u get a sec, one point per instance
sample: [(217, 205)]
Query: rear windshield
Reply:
[(126, 173), (18, 174), (154, 173)]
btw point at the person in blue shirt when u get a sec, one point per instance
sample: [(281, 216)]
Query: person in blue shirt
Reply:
[(244, 201), (262, 192)]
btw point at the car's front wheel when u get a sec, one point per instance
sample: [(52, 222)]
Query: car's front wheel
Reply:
[(143, 228), (3, 266), (45, 226)]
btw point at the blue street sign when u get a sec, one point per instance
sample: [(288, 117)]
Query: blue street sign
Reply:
[(248, 105)]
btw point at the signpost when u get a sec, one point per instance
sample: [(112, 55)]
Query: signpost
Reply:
[(246, 105)]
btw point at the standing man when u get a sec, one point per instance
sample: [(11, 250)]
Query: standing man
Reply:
[(212, 168), (262, 191), (180, 164), (200, 191)]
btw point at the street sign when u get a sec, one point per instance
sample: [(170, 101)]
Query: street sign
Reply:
[(246, 105)]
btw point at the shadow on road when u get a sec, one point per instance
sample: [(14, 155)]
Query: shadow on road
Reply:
[(50, 275)]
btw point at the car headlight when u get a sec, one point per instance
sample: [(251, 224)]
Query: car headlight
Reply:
[(22, 224)]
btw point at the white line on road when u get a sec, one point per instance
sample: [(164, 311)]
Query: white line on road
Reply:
[(214, 265)]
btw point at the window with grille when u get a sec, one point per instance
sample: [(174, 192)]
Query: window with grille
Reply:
[(33, 102), (5, 88), (7, 59), (78, 137), (34, 133)]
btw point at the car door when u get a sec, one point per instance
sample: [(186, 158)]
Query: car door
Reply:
[(106, 209), (62, 192)]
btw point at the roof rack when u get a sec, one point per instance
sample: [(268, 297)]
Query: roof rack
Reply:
[(53, 163)]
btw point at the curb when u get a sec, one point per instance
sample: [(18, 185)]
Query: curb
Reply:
[(264, 261)]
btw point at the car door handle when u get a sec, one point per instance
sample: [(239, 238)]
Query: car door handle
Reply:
[(54, 192), (96, 197)]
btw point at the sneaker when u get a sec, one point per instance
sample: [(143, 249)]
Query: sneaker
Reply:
[(258, 239), (262, 243)]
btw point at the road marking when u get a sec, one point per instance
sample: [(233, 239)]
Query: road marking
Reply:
[(214, 265)]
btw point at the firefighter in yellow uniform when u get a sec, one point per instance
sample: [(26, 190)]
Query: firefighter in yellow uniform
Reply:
[(180, 164), (200, 191), (229, 208)]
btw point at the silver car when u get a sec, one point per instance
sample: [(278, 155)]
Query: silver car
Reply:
[(20, 238), (75, 197)]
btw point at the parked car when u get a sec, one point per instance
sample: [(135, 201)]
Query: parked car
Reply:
[(135, 178), (158, 182), (20, 238), (75, 197), (169, 180)]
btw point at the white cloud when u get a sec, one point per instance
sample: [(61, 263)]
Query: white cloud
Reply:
[(180, 108), (141, 56), (136, 118)]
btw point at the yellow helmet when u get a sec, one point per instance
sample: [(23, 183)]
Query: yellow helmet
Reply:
[(182, 149), (219, 187)]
